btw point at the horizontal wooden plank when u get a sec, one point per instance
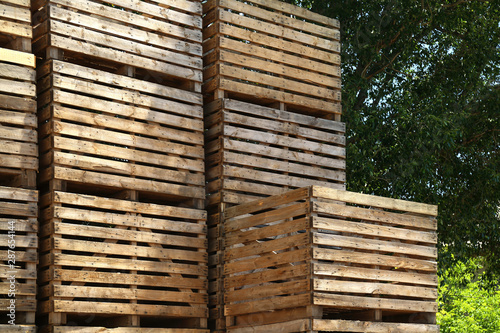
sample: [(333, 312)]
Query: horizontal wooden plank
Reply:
[(128, 206), (24, 104), (22, 305), (260, 277), (259, 248), (17, 72), (23, 3), (18, 161), (18, 118), (371, 327), (298, 325), (22, 256), (16, 29), (358, 302), (269, 304), (17, 57), (28, 225), (127, 82), (280, 115), (17, 87), (276, 178), (267, 261), (288, 212), (375, 215), (109, 233), (21, 289), (18, 134), (108, 218), (95, 329), (126, 168), (96, 178), (14, 193), (389, 246), (21, 241), (128, 279), (273, 289), (19, 209), (143, 266), (60, 306), (267, 203), (16, 13), (375, 274), (263, 231), (374, 230), (371, 288), (126, 139), (375, 201), (128, 294), (388, 260)]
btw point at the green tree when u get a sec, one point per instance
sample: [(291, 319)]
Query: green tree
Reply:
[(421, 96), (468, 301)]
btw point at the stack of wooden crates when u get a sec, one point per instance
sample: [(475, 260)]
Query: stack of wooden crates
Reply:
[(272, 119), (122, 185), (18, 167)]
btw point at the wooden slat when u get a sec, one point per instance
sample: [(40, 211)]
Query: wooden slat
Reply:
[(371, 327), (357, 302), (17, 57), (375, 201), (375, 274), (270, 304)]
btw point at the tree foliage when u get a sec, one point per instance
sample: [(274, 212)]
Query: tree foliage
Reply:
[(421, 96), (468, 301)]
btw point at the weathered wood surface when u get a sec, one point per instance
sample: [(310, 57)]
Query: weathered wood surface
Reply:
[(284, 53), (18, 121), (84, 329), (161, 37), (112, 130), (255, 151), (106, 256), (338, 251), (18, 250)]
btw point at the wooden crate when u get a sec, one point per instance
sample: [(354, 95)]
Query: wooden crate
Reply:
[(266, 51), (115, 263), (18, 124), (18, 251), (330, 256), (254, 151), (162, 38), (113, 131)]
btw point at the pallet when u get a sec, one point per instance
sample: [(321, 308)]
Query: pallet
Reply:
[(18, 250), (160, 38), (320, 253), (113, 131), (265, 51), (96, 329), (121, 263)]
